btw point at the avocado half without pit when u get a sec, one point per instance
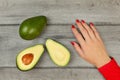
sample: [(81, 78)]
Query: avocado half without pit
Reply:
[(32, 27), (29, 57), (59, 54)]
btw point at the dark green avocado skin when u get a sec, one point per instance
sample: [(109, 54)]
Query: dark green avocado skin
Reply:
[(32, 27)]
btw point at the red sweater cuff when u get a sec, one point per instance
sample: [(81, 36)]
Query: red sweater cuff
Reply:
[(111, 70)]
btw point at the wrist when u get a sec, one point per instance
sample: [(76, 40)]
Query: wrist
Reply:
[(103, 62)]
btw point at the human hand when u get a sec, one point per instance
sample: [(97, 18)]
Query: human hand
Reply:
[(91, 46)]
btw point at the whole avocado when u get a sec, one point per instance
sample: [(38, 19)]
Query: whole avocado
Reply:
[(32, 27)]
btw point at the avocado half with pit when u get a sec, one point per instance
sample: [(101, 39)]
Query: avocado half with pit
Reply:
[(59, 54), (29, 57)]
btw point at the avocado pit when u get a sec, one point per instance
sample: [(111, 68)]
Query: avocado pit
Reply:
[(27, 58)]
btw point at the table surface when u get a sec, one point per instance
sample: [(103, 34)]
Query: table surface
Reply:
[(61, 14)]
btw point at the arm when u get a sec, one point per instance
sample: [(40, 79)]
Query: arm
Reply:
[(111, 70), (91, 48)]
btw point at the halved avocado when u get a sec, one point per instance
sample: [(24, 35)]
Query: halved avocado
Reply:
[(29, 57), (59, 54)]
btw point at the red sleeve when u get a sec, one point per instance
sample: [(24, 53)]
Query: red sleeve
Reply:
[(110, 71)]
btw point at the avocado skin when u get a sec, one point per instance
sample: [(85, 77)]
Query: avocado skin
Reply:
[(32, 27), (51, 57)]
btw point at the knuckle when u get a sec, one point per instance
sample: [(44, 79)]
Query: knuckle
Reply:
[(90, 30), (84, 31), (95, 39), (77, 34), (84, 45)]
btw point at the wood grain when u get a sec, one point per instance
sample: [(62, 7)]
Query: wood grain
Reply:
[(50, 74), (11, 44), (60, 11), (60, 14)]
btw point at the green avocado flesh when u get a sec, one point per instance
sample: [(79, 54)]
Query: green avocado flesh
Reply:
[(59, 54), (29, 57), (32, 27)]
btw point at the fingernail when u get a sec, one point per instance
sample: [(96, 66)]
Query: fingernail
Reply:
[(91, 24), (82, 21), (77, 20), (73, 26), (72, 43)]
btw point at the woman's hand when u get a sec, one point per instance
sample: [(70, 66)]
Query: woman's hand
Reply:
[(91, 46)]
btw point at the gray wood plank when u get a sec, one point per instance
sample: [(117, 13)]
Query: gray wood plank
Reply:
[(50, 74), (11, 44), (60, 11)]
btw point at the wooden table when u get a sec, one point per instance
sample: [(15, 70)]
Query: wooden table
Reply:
[(61, 14)]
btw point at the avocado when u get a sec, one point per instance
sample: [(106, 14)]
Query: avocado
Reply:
[(59, 54), (29, 57), (32, 27)]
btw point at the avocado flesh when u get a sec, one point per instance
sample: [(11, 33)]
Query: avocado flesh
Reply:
[(32, 27), (37, 51), (58, 53)]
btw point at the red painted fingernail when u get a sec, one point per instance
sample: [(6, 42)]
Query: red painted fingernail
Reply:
[(77, 20), (73, 26), (82, 21), (72, 43), (91, 24)]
